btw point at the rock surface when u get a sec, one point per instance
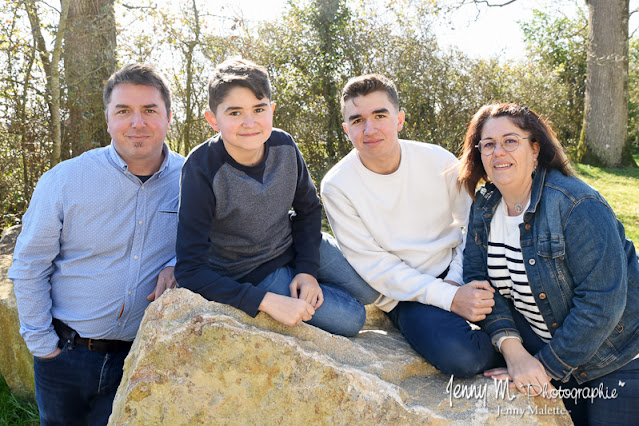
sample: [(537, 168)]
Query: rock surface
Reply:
[(199, 362), (16, 362)]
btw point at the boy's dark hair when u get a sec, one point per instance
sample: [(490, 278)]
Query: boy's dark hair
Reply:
[(237, 72), (369, 83), (140, 74)]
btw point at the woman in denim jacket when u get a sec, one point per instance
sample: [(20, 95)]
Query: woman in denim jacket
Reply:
[(566, 277)]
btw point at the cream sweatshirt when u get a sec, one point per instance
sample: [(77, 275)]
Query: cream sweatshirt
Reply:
[(402, 230)]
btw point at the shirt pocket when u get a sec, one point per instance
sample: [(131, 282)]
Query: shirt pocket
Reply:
[(551, 246), (167, 216)]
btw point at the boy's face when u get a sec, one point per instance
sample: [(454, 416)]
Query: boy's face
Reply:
[(372, 124), (245, 123)]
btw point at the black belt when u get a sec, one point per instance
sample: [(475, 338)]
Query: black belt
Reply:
[(443, 274), (103, 346)]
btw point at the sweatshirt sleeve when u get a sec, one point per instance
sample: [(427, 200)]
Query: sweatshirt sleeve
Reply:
[(460, 203), (197, 206), (382, 270)]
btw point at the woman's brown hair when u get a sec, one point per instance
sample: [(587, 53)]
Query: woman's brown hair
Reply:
[(551, 153)]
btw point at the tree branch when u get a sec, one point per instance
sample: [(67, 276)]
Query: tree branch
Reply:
[(128, 6), (487, 3)]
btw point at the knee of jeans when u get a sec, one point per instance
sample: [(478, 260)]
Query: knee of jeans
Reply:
[(356, 323), (464, 360)]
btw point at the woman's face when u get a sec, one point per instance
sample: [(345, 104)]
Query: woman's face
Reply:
[(509, 171)]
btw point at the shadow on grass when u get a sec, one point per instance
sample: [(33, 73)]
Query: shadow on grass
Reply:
[(16, 411)]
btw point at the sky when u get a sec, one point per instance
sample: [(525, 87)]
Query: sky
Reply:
[(477, 31)]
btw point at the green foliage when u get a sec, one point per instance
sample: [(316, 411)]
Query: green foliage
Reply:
[(633, 96), (15, 411), (557, 45), (25, 142), (310, 52)]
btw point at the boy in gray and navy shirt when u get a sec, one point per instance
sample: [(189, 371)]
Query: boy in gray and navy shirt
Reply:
[(238, 242)]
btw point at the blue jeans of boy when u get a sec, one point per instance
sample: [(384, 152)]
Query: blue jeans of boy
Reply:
[(621, 410), (444, 339), (341, 313), (77, 387)]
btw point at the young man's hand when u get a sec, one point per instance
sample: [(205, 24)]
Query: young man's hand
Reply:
[(305, 287), (473, 301), (287, 310)]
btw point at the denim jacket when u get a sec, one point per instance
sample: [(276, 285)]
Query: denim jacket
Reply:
[(582, 270)]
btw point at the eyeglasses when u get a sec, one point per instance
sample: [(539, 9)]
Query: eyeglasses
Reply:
[(509, 143)]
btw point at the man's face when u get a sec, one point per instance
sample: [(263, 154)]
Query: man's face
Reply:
[(372, 124), (137, 122)]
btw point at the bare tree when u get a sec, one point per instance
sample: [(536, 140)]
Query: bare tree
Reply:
[(605, 126), (89, 60), (50, 63)]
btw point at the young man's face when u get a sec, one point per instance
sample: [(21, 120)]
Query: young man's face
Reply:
[(372, 124), (245, 123), (137, 122)]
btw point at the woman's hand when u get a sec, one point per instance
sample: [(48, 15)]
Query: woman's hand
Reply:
[(526, 372)]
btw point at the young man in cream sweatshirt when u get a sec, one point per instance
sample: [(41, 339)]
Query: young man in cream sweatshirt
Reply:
[(398, 214)]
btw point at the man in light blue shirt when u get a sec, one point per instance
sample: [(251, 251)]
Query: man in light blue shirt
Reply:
[(97, 245)]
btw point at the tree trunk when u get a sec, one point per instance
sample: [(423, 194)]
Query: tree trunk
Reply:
[(603, 139), (50, 65), (89, 60)]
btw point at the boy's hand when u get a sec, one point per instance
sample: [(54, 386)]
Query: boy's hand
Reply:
[(305, 287), (166, 280), (287, 310)]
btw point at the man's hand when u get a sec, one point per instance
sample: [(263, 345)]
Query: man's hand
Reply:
[(305, 287), (52, 354), (166, 279), (473, 301), (287, 310)]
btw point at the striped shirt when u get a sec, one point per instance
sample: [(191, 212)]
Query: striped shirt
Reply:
[(506, 268)]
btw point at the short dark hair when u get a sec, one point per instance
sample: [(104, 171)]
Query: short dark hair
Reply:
[(551, 153), (369, 83), (140, 74), (237, 72)]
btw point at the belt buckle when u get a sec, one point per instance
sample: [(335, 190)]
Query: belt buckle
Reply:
[(90, 344)]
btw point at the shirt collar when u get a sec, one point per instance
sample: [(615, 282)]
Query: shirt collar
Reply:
[(537, 186)]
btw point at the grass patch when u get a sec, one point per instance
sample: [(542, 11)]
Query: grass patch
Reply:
[(620, 187), (16, 411)]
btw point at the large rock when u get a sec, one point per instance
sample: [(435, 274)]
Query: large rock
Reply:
[(199, 362), (16, 363)]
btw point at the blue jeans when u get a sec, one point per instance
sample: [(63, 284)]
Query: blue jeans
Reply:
[(622, 410), (341, 313), (77, 387), (444, 339)]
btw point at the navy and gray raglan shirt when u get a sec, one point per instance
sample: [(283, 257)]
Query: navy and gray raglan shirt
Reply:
[(235, 226)]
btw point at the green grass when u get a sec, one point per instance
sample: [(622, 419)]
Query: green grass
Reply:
[(15, 411), (620, 187)]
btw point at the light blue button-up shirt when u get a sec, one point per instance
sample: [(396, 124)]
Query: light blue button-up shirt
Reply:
[(93, 242)]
